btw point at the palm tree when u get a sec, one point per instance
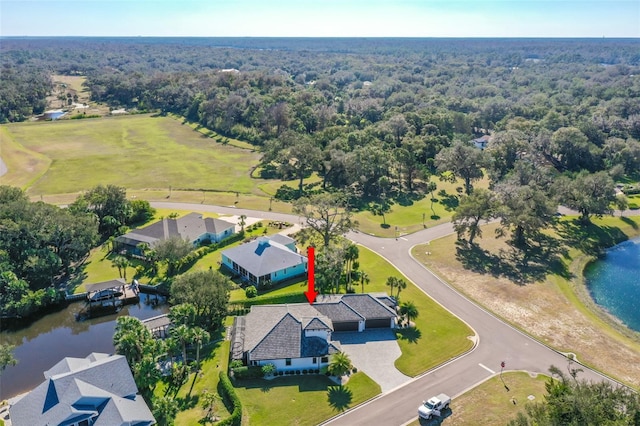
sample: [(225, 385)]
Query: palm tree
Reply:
[(209, 401), (392, 282), (184, 334), (340, 364), (242, 222), (364, 279), (351, 254), (121, 263), (200, 336), (409, 311), (400, 285)]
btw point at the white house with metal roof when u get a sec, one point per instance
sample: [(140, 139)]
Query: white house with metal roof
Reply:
[(98, 390), (265, 260)]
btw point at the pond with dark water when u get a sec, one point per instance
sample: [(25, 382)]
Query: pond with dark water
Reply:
[(57, 335), (614, 282)]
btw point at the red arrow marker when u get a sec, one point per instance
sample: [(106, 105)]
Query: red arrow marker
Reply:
[(311, 292)]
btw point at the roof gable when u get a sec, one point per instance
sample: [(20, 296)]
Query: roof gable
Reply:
[(283, 341)]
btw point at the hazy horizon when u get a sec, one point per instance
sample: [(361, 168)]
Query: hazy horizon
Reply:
[(322, 18)]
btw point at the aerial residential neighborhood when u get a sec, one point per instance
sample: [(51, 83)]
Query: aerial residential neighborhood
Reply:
[(255, 213)]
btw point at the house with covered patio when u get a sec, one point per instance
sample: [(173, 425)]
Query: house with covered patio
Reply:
[(265, 261)]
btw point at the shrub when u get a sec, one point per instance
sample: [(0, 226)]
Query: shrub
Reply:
[(251, 292), (253, 372), (235, 364), (268, 369), (228, 393)]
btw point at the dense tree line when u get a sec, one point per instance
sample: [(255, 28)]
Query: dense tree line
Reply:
[(40, 243), (376, 119)]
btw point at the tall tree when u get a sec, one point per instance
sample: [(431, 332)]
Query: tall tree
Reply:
[(171, 251), (474, 208), (463, 161), (207, 291), (526, 210), (589, 193), (326, 214)]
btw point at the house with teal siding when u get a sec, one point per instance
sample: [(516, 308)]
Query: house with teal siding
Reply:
[(264, 261)]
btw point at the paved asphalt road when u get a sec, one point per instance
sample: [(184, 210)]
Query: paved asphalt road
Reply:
[(496, 341)]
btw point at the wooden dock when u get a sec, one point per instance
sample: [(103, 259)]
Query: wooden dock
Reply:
[(108, 297)]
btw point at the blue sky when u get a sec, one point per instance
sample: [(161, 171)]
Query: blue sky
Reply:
[(322, 18)]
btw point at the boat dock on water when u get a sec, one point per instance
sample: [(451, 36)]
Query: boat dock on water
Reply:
[(108, 297)]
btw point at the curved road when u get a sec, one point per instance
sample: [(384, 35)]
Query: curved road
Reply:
[(496, 341)]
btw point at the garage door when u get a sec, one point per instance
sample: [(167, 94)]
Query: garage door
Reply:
[(345, 326), (377, 323)]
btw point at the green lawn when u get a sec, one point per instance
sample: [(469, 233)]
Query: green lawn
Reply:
[(136, 151), (214, 359), (301, 400), (490, 403), (410, 215)]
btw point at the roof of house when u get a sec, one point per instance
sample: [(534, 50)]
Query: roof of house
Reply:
[(80, 388), (282, 239), (366, 306), (338, 311), (277, 331), (159, 321), (264, 256), (189, 227)]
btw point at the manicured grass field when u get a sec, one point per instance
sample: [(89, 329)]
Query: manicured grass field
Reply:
[(136, 151), (490, 403), (301, 400), (410, 216)]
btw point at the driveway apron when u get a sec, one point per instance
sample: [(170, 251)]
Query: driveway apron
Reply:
[(374, 352)]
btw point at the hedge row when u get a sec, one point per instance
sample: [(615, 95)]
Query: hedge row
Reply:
[(243, 372), (230, 397)]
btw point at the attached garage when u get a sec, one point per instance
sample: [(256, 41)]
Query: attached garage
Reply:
[(378, 323), (345, 326)]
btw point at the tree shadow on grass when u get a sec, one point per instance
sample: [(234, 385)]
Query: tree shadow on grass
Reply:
[(339, 397), (450, 202), (305, 383), (411, 334), (629, 222), (589, 238), (520, 265)]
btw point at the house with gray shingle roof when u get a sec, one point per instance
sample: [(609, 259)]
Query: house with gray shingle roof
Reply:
[(192, 227), (98, 390), (264, 261), (299, 336)]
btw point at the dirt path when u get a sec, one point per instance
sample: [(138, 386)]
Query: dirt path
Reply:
[(3, 168)]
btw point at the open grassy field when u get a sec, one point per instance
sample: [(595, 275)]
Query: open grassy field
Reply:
[(490, 403), (136, 152), (555, 307)]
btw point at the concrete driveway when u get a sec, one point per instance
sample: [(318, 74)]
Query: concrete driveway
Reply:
[(373, 352)]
